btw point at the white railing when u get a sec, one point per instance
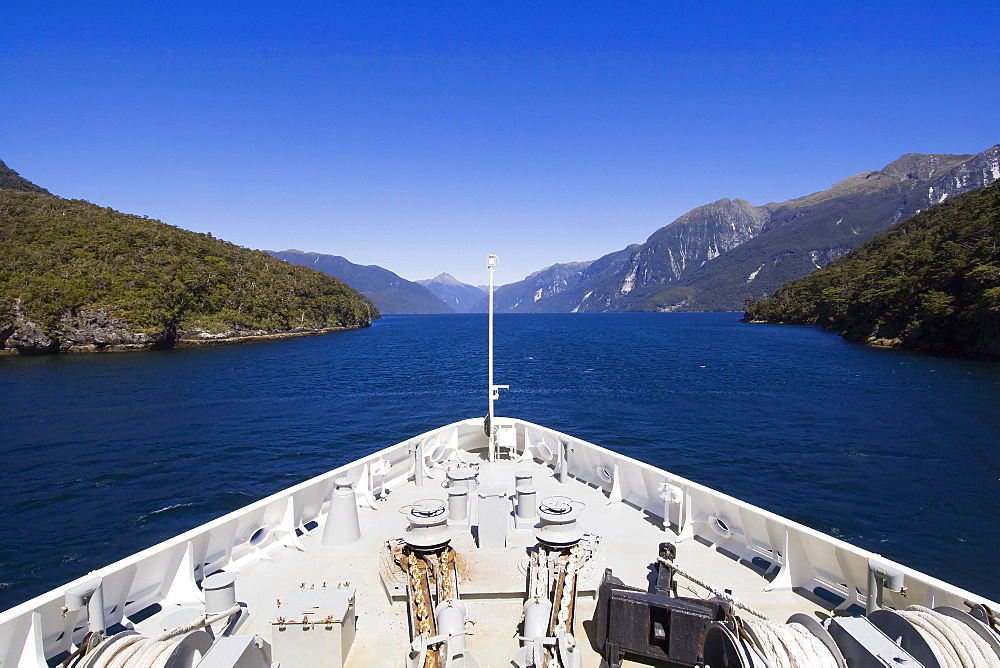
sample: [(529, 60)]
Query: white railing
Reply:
[(169, 572), (795, 556)]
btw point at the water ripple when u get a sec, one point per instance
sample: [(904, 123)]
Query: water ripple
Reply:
[(107, 454)]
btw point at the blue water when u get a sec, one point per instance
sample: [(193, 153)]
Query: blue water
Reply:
[(102, 455)]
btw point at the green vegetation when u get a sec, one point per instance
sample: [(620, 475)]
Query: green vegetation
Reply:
[(930, 283), (62, 257), (14, 181)]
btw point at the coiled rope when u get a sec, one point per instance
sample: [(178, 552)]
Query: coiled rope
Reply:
[(790, 645), (139, 651), (785, 645), (954, 644)]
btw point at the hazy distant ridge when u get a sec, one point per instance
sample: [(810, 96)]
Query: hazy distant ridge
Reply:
[(388, 291), (458, 295)]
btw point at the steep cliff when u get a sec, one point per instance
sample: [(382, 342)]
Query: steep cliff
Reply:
[(544, 284), (718, 255)]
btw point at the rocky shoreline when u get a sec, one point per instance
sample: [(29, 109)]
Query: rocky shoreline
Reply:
[(984, 347), (198, 338), (98, 332)]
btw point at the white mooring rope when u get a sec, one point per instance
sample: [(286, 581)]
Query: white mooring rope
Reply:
[(954, 644), (785, 645), (790, 645), (139, 651)]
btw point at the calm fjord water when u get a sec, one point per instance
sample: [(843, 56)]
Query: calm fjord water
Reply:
[(103, 455)]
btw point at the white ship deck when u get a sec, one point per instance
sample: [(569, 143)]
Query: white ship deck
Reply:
[(716, 536), (493, 585)]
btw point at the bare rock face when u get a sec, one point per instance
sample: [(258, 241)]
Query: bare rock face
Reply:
[(28, 338), (719, 254), (978, 172), (84, 331), (97, 330)]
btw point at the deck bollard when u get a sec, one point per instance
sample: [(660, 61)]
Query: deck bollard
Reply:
[(342, 524)]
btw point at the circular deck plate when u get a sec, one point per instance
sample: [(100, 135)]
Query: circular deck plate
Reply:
[(815, 628), (180, 617), (981, 629)]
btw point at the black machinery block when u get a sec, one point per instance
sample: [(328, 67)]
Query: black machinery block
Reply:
[(652, 625)]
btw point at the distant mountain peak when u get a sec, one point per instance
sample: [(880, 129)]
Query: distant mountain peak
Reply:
[(716, 255), (460, 296), (573, 266), (443, 278), (918, 166)]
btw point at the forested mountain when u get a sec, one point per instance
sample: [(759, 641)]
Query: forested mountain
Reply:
[(458, 295), (718, 255), (77, 276), (389, 292), (930, 283)]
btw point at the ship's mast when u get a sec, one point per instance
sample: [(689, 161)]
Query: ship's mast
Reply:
[(493, 390)]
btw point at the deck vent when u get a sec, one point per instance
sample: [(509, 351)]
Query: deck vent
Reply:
[(342, 524), (557, 521), (428, 525)]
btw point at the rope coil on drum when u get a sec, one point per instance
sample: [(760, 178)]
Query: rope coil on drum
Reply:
[(955, 645), (784, 645), (139, 651), (790, 645)]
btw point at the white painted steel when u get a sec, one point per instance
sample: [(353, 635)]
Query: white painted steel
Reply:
[(168, 573), (491, 390)]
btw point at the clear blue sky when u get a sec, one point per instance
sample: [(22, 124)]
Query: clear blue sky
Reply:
[(421, 136)]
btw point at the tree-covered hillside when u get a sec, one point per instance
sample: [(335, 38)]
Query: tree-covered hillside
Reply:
[(13, 181), (930, 283), (79, 276)]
